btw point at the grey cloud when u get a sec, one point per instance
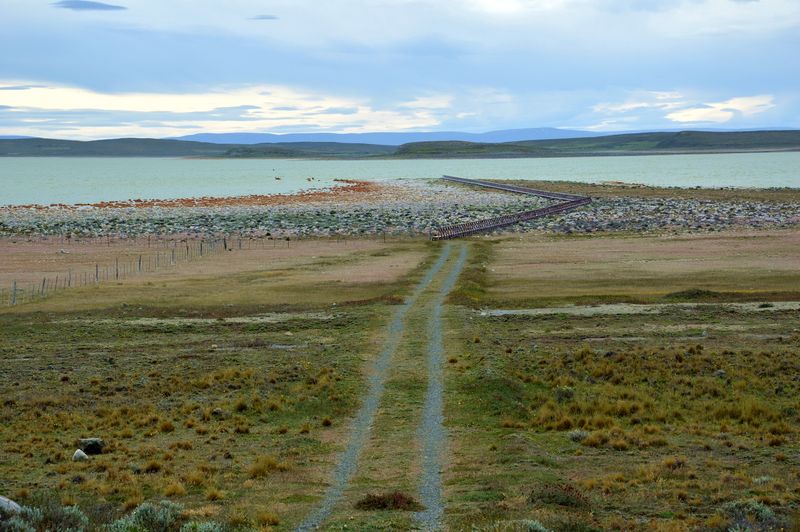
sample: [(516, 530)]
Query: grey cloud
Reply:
[(57, 119), (21, 87), (87, 5), (264, 17)]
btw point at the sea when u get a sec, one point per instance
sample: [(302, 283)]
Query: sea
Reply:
[(73, 180)]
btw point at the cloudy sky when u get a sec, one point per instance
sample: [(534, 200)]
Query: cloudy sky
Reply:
[(155, 68)]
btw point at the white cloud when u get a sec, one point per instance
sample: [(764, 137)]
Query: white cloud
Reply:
[(720, 112), (254, 108), (641, 100)]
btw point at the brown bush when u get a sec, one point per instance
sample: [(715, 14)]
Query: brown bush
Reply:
[(395, 500)]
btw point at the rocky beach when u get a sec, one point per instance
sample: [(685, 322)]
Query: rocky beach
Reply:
[(409, 207)]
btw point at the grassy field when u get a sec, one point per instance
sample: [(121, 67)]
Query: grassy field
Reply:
[(211, 389), (673, 417), (635, 383)]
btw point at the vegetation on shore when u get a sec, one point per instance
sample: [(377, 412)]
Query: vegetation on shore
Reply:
[(626, 144)]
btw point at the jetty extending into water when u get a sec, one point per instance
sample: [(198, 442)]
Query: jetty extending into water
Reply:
[(567, 203)]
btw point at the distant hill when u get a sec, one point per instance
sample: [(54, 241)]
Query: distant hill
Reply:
[(311, 150), (627, 144), (391, 139), (36, 147)]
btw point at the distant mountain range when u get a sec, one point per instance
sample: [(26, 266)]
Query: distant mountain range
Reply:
[(391, 139), (397, 139), (627, 144)]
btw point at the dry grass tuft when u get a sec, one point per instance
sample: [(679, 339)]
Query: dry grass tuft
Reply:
[(174, 489), (267, 518), (264, 466), (214, 494)]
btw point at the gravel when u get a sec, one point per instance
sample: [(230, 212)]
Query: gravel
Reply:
[(431, 431), (359, 432), (401, 207)]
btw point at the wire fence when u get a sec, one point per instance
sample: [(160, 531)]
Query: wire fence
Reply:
[(144, 255)]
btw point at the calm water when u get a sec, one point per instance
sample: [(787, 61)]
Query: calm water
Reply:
[(48, 180)]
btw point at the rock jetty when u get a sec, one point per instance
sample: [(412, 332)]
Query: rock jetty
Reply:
[(413, 207)]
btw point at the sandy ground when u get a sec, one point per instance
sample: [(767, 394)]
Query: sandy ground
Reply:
[(345, 191), (733, 261), (624, 309), (30, 261)]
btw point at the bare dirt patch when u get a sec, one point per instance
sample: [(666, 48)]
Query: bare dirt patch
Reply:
[(547, 267)]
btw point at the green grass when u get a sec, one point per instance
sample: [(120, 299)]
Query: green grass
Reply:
[(621, 422), (206, 411)]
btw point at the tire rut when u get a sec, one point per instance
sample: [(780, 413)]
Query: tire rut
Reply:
[(431, 431), (348, 461)]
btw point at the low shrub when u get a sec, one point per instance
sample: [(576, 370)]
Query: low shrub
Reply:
[(578, 435), (561, 494), (51, 516), (395, 500), (751, 515), (162, 517)]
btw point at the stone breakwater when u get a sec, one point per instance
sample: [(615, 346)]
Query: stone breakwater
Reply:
[(396, 207)]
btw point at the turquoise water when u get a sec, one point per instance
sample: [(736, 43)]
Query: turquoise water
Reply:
[(47, 180)]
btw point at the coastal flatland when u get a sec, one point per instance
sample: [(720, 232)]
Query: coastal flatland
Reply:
[(235, 385)]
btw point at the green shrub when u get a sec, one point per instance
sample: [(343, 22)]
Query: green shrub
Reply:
[(149, 517), (751, 515), (194, 526), (16, 524), (51, 516)]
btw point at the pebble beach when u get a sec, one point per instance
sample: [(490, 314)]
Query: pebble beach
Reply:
[(407, 207)]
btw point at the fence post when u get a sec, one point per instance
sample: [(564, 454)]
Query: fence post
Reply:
[(13, 293), (97, 272)]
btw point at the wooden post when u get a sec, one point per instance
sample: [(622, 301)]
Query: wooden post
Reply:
[(97, 272), (116, 269), (13, 293), (44, 287)]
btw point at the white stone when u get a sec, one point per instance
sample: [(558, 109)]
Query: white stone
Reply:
[(79, 456), (9, 506)]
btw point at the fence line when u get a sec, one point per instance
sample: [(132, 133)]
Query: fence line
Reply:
[(119, 269), (168, 253)]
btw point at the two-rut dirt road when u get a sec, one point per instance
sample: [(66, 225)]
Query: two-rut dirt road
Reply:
[(397, 438)]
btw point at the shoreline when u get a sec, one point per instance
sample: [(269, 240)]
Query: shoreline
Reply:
[(412, 207)]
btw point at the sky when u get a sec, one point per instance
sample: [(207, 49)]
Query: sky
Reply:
[(159, 68)]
